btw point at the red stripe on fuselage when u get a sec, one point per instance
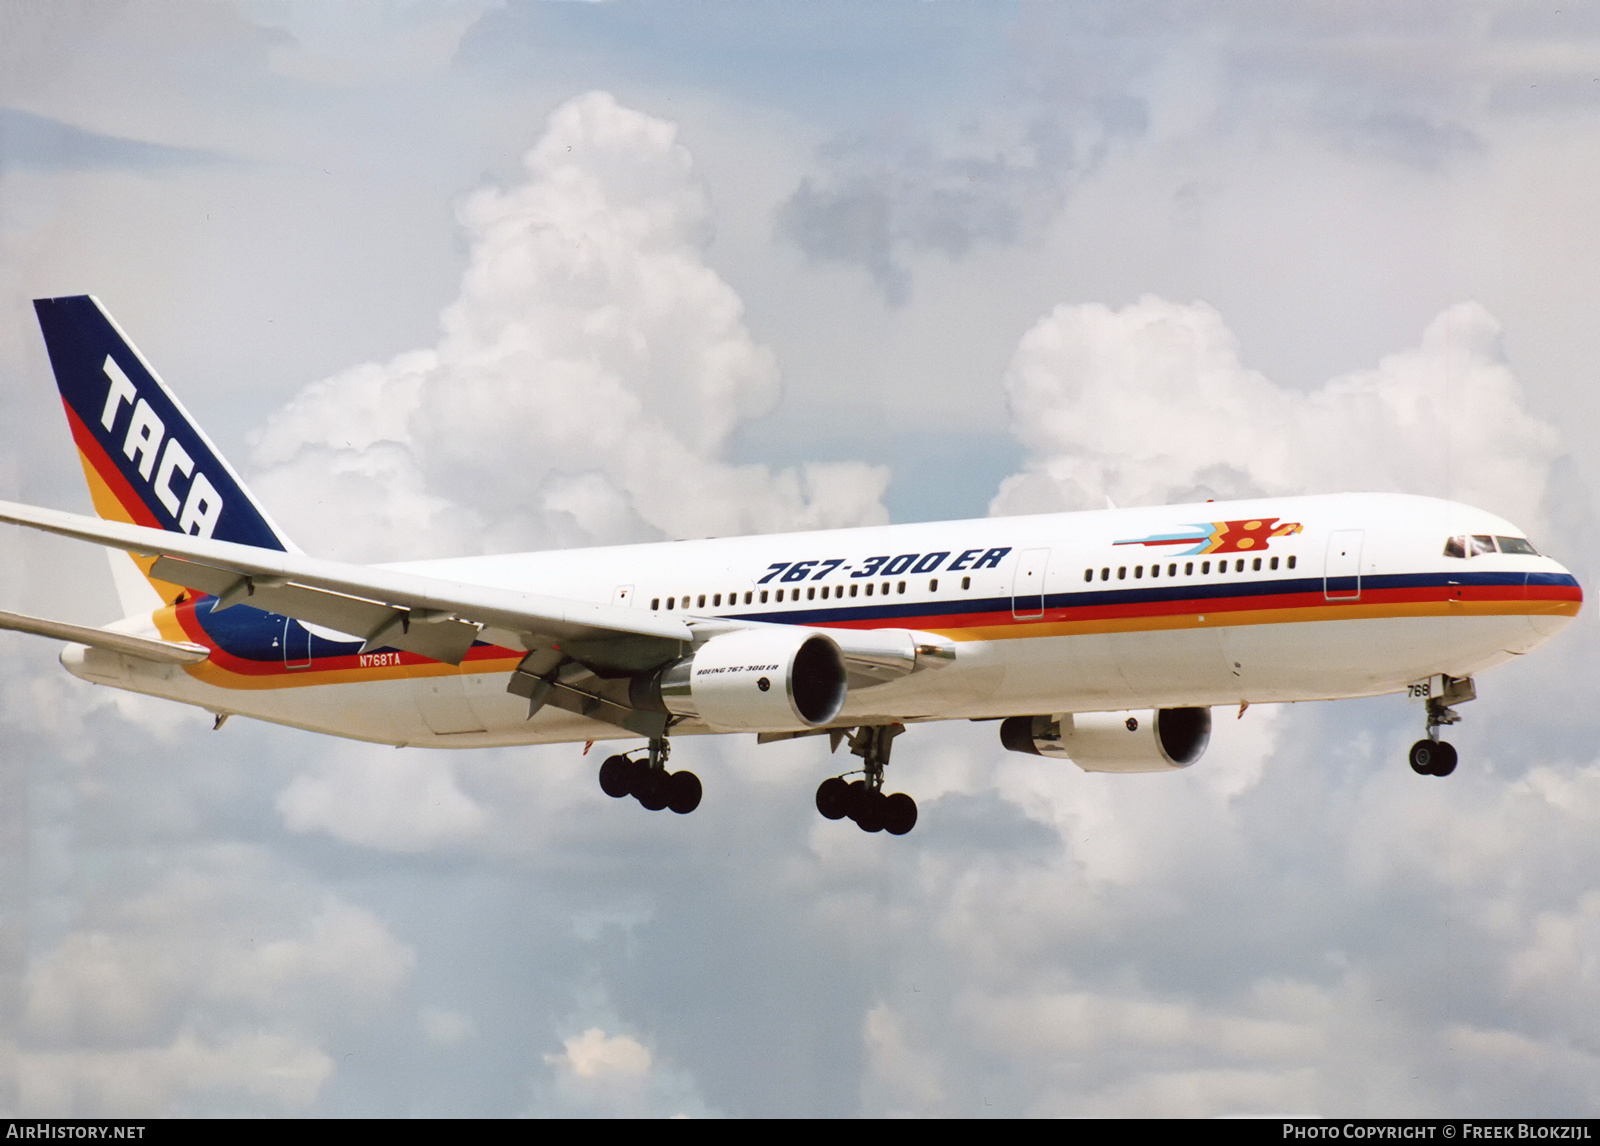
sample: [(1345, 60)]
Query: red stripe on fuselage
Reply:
[(1244, 603), (231, 662)]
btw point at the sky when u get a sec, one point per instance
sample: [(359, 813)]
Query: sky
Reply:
[(447, 278)]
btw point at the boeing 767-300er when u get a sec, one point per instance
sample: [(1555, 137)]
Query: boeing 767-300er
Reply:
[(1100, 637)]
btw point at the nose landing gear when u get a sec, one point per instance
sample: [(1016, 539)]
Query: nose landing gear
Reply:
[(649, 782), (864, 800), (1435, 757)]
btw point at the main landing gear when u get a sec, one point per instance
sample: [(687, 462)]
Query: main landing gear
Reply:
[(648, 781), (864, 800), (1435, 757)]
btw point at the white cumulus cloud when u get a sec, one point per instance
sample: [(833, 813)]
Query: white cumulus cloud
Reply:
[(393, 801), (585, 382), (1152, 404), (594, 1053)]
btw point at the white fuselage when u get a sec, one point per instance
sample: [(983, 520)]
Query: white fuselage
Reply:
[(1276, 599)]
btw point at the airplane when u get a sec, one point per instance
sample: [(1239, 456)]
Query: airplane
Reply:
[(1104, 638)]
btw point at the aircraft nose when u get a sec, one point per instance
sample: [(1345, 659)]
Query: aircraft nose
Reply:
[(1556, 598)]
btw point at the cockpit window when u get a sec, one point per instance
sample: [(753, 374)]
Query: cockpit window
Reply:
[(1471, 545)]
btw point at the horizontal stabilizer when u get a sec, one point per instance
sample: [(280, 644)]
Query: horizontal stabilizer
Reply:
[(147, 648)]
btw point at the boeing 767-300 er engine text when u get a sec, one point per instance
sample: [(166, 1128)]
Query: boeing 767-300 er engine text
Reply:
[(1103, 637)]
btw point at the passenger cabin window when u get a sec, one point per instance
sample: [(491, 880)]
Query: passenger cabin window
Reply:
[(966, 583)]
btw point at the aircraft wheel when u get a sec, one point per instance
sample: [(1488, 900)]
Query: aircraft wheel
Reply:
[(1444, 760), (651, 788), (1424, 753), (683, 792), (855, 798), (900, 814), (833, 798), (616, 776), (871, 812)]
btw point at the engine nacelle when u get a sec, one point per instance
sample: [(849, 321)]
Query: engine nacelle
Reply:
[(771, 679), (1142, 740)]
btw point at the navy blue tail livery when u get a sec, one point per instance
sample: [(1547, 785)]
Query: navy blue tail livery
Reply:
[(146, 460)]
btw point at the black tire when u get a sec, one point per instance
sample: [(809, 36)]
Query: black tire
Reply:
[(872, 811), (651, 788), (833, 798), (683, 792), (616, 776), (900, 814), (856, 799), (1424, 753), (1444, 761)]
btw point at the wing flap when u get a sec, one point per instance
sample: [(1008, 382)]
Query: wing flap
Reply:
[(150, 649)]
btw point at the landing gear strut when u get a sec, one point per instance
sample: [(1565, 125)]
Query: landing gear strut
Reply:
[(648, 781), (1435, 757), (864, 800)]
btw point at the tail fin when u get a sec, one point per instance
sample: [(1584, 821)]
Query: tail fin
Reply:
[(146, 460)]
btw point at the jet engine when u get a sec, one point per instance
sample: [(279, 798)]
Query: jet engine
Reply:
[(771, 679), (1141, 740)]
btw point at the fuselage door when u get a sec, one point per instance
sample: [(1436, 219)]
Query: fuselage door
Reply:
[(1027, 586), (296, 644), (1342, 573)]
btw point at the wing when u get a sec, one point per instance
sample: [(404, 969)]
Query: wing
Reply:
[(432, 616)]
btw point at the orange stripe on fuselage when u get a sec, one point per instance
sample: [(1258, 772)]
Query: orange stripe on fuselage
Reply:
[(225, 670)]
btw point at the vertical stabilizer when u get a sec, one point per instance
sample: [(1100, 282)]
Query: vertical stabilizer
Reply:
[(146, 461)]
